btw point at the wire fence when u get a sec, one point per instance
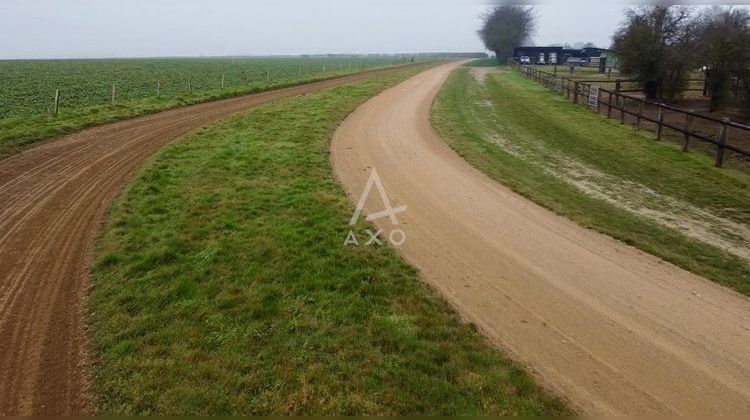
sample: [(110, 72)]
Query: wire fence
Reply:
[(686, 126), (38, 87)]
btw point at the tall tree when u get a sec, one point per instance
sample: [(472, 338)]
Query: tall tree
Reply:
[(655, 46), (724, 48), (506, 27)]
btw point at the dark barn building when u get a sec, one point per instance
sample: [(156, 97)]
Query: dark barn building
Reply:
[(594, 52), (540, 55), (559, 55), (572, 53)]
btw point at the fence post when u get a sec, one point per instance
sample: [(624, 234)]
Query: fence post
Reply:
[(705, 84), (268, 75), (575, 93), (660, 120), (723, 135), (617, 85), (222, 80), (555, 69), (114, 93), (609, 104), (638, 117), (688, 130), (609, 73), (57, 100), (622, 109)]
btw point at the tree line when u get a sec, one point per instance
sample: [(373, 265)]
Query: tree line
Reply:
[(658, 45)]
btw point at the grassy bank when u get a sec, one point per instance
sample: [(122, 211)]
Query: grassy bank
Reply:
[(19, 131), (484, 62), (222, 286), (602, 175)]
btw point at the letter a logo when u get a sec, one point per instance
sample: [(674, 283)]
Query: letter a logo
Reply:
[(389, 210)]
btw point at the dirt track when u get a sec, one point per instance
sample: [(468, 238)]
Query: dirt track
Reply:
[(611, 328), (52, 202)]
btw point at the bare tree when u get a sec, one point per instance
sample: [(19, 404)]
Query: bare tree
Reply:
[(506, 27), (724, 49), (655, 45)]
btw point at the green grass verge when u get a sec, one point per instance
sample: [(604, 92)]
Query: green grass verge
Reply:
[(484, 62), (525, 137), (222, 286), (19, 132)]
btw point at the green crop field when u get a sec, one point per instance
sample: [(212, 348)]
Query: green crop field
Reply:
[(27, 87), (142, 86)]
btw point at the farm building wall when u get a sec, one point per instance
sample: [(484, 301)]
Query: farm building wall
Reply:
[(540, 55), (559, 55)]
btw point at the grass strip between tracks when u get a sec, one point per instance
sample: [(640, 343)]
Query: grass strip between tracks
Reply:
[(222, 286), (604, 176)]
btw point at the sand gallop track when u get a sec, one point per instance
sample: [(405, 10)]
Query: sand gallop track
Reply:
[(52, 201), (611, 328)]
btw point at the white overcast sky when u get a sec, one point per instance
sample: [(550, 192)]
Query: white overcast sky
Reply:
[(145, 28)]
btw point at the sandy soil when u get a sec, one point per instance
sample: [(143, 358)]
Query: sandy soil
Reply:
[(481, 73), (612, 329), (52, 202)]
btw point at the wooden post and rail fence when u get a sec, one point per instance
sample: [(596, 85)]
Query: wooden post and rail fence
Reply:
[(617, 100)]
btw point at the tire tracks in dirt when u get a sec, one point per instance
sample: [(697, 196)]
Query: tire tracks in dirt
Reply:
[(53, 198), (612, 329)]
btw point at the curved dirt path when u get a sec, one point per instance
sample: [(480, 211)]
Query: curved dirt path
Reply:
[(611, 328), (52, 201)]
